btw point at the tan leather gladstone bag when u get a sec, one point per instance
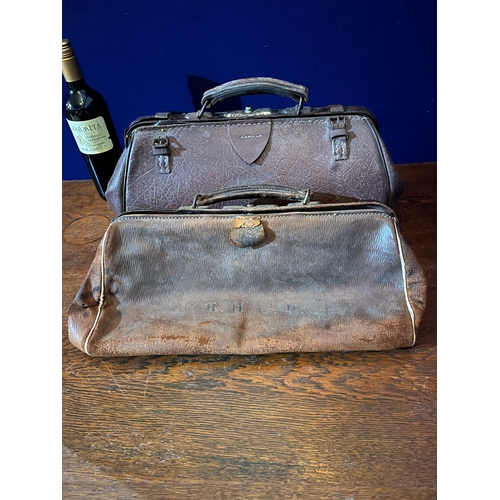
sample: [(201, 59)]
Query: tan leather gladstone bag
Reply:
[(252, 279)]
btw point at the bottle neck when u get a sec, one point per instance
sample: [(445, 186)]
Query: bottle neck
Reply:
[(70, 67), (77, 85), (71, 71)]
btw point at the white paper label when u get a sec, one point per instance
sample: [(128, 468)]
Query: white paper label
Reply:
[(92, 136)]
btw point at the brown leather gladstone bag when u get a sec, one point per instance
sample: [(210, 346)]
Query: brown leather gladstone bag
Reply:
[(251, 279), (337, 151)]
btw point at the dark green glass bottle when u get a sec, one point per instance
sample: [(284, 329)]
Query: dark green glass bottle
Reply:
[(88, 118)]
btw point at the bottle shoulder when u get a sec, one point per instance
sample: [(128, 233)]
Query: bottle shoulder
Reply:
[(84, 100)]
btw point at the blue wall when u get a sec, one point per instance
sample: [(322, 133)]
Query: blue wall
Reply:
[(154, 56)]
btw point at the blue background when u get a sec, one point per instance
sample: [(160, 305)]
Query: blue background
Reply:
[(152, 56)]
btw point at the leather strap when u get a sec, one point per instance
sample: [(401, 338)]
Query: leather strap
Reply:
[(339, 136)]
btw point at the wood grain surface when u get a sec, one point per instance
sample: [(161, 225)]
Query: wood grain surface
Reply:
[(343, 426)]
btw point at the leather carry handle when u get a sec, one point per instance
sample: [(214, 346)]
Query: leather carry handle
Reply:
[(259, 85), (257, 191)]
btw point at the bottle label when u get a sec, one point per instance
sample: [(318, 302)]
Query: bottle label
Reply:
[(92, 136)]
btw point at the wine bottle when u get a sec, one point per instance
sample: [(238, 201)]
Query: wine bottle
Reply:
[(90, 122)]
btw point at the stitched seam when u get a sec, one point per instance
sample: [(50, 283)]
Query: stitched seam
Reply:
[(101, 298), (225, 124), (274, 122), (249, 124), (270, 216)]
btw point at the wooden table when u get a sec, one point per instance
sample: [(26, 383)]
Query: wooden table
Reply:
[(282, 426)]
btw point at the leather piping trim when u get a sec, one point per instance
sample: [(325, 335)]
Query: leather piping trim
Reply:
[(125, 181), (101, 298), (405, 283)]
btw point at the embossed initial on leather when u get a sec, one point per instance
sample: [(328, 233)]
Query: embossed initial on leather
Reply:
[(249, 138)]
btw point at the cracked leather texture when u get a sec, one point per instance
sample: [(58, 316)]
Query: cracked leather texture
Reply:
[(298, 154), (326, 280)]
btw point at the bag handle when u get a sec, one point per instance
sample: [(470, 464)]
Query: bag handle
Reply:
[(259, 85), (257, 191)]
